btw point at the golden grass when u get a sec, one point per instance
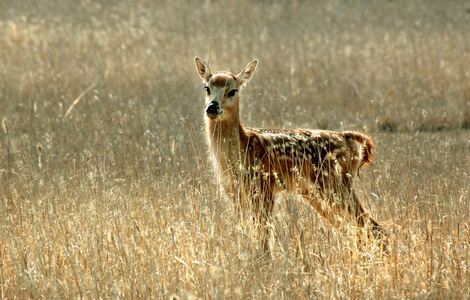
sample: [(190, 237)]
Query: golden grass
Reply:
[(115, 199)]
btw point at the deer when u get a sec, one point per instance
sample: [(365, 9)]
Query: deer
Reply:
[(254, 164)]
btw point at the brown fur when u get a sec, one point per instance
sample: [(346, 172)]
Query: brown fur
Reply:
[(221, 79)]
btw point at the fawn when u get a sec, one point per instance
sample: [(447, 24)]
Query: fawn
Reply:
[(253, 164)]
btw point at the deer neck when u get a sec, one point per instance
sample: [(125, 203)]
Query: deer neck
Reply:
[(226, 140)]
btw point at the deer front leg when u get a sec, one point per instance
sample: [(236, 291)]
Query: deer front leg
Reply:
[(263, 203), (237, 193)]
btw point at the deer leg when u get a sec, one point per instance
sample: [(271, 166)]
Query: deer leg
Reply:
[(336, 199), (353, 207), (326, 210), (263, 204), (364, 220)]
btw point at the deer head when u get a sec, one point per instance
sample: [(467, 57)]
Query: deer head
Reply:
[(222, 89)]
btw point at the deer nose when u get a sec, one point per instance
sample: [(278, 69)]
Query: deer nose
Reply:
[(212, 108)]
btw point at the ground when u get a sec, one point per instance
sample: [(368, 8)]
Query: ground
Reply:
[(105, 186)]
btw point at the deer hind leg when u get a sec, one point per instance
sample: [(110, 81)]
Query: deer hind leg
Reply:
[(353, 207), (333, 202), (364, 220), (323, 204), (336, 199)]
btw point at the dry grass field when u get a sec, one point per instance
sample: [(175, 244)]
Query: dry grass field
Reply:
[(105, 187)]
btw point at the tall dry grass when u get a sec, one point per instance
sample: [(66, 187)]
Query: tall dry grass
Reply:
[(116, 198)]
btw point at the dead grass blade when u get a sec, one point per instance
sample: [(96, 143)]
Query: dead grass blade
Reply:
[(75, 102)]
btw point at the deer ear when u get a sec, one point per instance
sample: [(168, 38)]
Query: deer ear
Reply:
[(245, 75), (202, 68)]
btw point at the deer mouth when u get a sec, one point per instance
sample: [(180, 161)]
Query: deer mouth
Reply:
[(213, 110), (214, 115)]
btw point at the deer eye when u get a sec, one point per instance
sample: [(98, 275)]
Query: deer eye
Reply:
[(232, 93), (208, 90)]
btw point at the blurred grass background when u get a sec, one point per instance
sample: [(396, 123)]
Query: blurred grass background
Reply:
[(117, 199)]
